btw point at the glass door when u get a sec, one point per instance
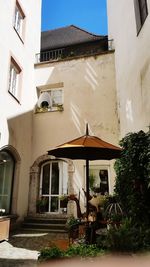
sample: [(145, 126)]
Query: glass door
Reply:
[(7, 164), (52, 185)]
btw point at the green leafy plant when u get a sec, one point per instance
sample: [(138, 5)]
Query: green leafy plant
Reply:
[(63, 201), (50, 253), (83, 250), (133, 177), (76, 250), (72, 226), (72, 221), (125, 238), (41, 204), (133, 191)]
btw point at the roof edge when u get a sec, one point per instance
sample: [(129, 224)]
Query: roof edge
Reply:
[(77, 43), (81, 29)]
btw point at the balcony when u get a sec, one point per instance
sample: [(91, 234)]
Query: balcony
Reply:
[(49, 55), (104, 45)]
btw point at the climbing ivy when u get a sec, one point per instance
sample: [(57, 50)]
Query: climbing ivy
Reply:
[(133, 177)]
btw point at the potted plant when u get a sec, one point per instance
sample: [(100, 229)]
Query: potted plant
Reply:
[(41, 204), (63, 201), (113, 211), (72, 226)]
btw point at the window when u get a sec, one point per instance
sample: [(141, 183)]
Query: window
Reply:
[(7, 165), (19, 19), (141, 12), (50, 100), (99, 182), (14, 78)]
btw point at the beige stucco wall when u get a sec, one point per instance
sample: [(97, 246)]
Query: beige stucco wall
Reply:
[(89, 96), (132, 61), (15, 118)]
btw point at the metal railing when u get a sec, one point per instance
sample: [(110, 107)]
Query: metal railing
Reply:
[(57, 54), (48, 55)]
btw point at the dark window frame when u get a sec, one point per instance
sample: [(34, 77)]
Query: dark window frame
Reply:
[(141, 13), (13, 90)]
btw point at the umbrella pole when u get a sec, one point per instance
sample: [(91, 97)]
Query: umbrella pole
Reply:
[(87, 232), (87, 188)]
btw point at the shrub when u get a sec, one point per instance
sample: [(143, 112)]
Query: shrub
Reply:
[(76, 250), (83, 250), (125, 238), (101, 241), (50, 253), (133, 177)]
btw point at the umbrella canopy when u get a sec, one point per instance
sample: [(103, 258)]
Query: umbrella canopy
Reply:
[(86, 147)]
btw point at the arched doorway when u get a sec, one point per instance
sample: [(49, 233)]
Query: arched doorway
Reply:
[(7, 167), (49, 178), (9, 178)]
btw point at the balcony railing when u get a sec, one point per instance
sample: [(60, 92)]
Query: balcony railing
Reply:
[(49, 55), (58, 54)]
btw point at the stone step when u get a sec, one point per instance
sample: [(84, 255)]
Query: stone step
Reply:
[(43, 225), (52, 231), (47, 223)]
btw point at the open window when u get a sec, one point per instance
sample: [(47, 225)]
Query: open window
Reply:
[(50, 100)]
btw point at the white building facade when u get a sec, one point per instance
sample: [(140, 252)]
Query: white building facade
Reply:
[(75, 85), (128, 26), (19, 42)]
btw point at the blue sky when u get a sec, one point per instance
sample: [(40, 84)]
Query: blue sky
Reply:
[(87, 14)]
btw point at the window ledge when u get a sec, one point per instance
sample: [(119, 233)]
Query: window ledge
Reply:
[(53, 109)]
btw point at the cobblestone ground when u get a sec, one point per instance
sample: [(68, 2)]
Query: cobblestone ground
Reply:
[(38, 240), (22, 248), (22, 251)]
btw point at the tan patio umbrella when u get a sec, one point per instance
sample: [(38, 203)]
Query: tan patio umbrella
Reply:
[(87, 148)]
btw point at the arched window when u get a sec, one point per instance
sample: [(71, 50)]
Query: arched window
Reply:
[(7, 164)]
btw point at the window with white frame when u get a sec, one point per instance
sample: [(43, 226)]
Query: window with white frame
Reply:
[(7, 165), (14, 78), (19, 19), (141, 12), (50, 100), (53, 184)]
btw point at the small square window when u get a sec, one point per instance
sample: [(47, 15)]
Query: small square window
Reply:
[(19, 19), (14, 78), (50, 100)]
